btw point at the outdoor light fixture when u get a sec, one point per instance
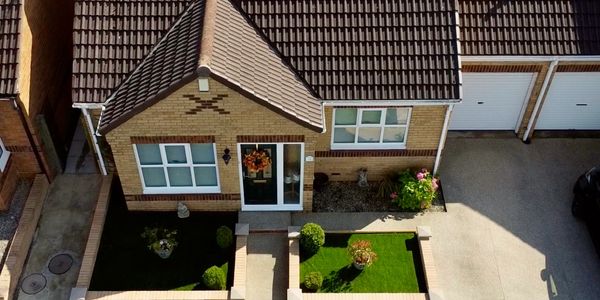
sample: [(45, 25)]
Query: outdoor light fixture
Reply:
[(226, 157)]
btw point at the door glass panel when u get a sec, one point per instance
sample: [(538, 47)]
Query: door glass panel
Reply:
[(345, 116), (203, 153), (180, 176), (292, 155), (149, 154), (259, 171), (396, 116), (369, 134), (205, 176), (154, 177), (393, 134), (176, 154), (371, 117), (344, 135)]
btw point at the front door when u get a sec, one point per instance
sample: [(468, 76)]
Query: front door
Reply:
[(271, 176)]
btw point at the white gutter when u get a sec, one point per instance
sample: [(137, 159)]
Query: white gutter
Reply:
[(538, 101), (442, 143), (87, 105), (519, 58), (90, 126), (368, 103)]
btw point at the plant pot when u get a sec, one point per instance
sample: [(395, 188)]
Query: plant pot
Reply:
[(164, 253), (359, 266)]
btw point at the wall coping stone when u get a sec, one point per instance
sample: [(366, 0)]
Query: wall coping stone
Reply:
[(242, 229)]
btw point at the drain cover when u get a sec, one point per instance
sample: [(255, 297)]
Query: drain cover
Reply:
[(60, 264), (33, 284)]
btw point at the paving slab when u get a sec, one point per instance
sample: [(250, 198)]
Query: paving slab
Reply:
[(267, 266), (63, 228)]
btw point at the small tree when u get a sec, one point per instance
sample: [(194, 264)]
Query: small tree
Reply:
[(312, 237), (214, 278)]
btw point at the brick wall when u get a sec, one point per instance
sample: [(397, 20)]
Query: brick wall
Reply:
[(181, 114), (425, 127)]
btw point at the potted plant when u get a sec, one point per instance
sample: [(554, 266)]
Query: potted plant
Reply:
[(362, 254), (160, 240)]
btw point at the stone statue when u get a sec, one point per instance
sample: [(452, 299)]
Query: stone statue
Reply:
[(362, 178), (182, 210)]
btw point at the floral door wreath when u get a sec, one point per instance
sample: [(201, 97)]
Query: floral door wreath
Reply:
[(257, 161)]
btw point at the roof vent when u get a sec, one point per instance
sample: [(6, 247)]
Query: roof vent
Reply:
[(203, 84)]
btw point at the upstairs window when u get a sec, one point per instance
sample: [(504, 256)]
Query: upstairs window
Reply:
[(370, 128), (4, 154), (177, 168)]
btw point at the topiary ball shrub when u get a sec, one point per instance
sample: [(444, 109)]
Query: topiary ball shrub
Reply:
[(214, 278), (312, 237), (313, 281), (224, 237)]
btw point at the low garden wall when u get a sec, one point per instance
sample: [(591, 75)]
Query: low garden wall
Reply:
[(80, 292), (431, 278)]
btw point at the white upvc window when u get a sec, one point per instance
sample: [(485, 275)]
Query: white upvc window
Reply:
[(4, 154), (370, 128), (178, 168)]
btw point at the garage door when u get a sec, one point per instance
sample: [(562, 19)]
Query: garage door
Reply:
[(491, 101), (572, 102)]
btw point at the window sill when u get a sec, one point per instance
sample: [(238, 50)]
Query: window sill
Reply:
[(186, 190), (368, 146)]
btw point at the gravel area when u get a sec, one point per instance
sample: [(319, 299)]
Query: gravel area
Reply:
[(349, 197), (10, 219)]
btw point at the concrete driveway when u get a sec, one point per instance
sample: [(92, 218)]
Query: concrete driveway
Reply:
[(509, 227)]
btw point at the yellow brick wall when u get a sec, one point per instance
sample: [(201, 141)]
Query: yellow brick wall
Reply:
[(168, 118), (425, 127)]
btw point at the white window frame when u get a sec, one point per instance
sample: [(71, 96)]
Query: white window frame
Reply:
[(178, 189), (369, 146), (4, 156), (280, 206)]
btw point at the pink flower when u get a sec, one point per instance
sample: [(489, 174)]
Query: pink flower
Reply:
[(394, 195), (434, 184), (420, 176)]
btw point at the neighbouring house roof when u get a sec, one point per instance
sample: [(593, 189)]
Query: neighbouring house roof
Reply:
[(366, 50), (111, 37), (9, 46), (549, 27), (212, 37)]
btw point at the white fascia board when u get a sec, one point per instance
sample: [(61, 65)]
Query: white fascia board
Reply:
[(88, 105), (367, 103), (521, 58)]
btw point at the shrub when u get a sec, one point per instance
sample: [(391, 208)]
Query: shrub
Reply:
[(214, 278), (224, 237), (418, 190), (313, 281), (158, 238), (312, 237), (389, 184)]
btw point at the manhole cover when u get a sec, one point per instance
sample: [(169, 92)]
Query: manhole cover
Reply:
[(33, 283), (60, 264)]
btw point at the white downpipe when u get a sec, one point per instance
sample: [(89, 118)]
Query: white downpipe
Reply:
[(538, 101), (90, 126), (438, 156)]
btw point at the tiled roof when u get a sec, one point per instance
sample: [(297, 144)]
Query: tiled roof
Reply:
[(224, 38), (110, 39), (549, 27), (172, 62), (9, 46), (242, 56), (366, 50)]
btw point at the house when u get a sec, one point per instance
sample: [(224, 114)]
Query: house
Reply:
[(34, 90), (229, 105)]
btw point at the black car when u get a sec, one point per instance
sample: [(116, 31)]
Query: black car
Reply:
[(586, 203)]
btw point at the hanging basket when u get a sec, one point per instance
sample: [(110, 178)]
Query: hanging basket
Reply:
[(257, 161)]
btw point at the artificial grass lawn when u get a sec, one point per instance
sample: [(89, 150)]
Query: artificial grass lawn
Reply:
[(398, 268), (125, 263)]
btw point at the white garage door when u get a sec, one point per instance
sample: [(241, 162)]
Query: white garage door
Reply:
[(572, 102), (491, 101)]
